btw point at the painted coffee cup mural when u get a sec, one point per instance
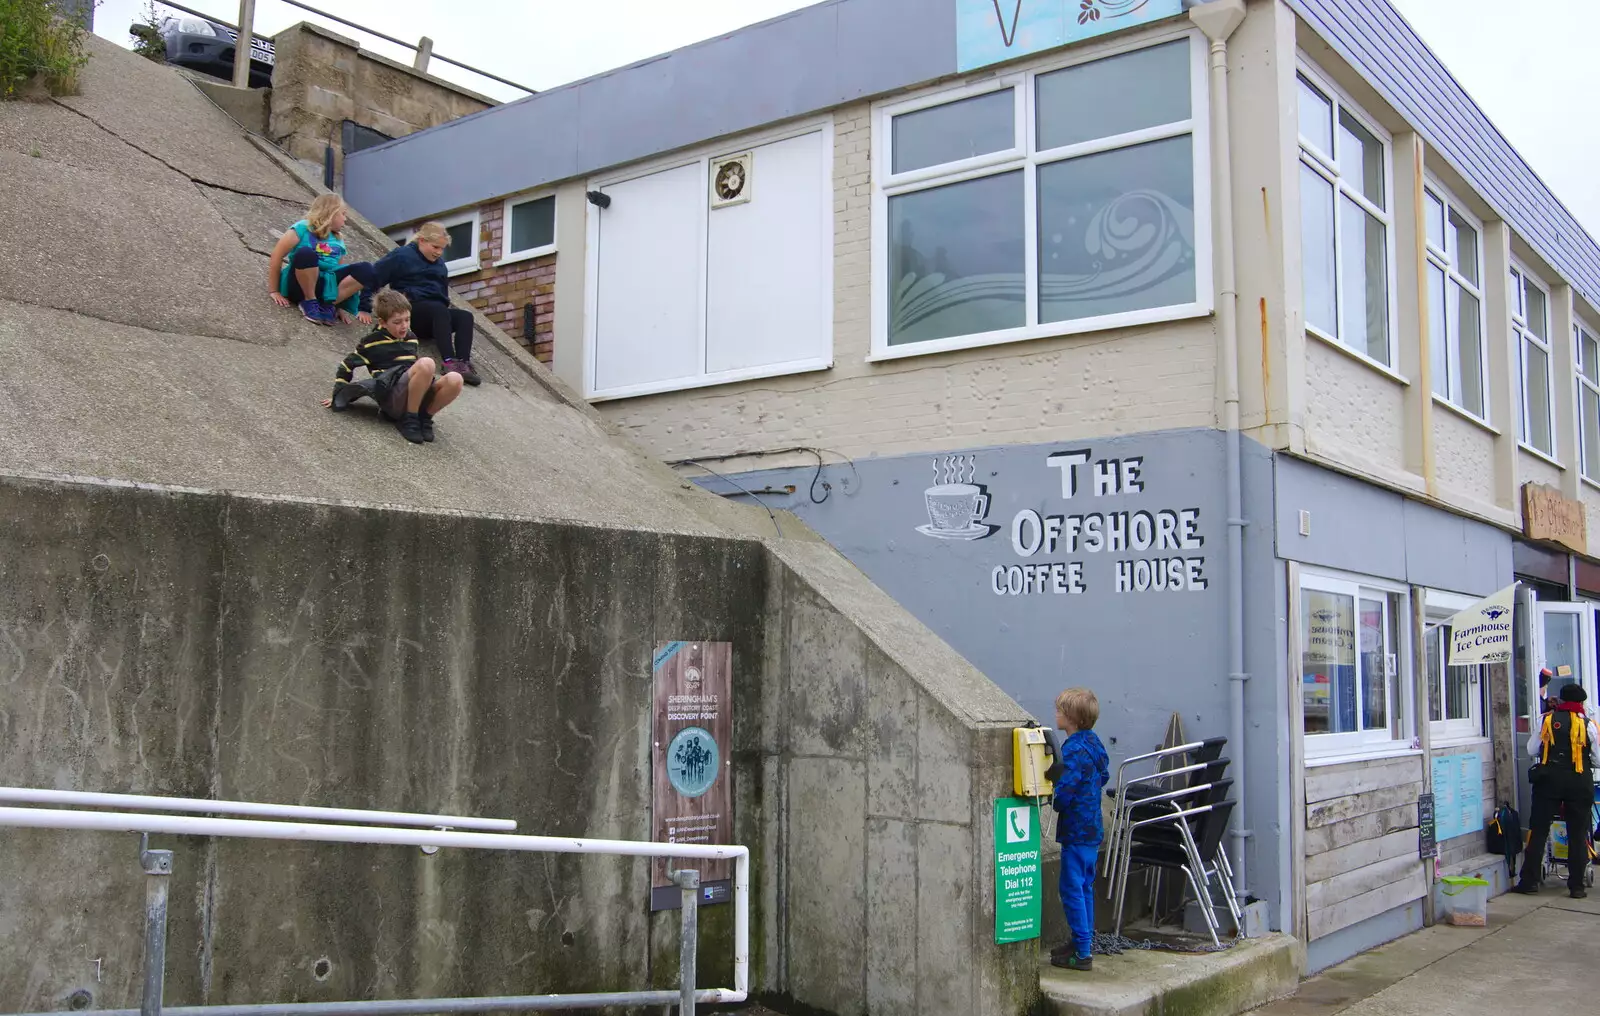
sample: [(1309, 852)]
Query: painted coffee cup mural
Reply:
[(956, 505)]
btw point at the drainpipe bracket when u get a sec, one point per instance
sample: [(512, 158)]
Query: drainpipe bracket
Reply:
[(1240, 676)]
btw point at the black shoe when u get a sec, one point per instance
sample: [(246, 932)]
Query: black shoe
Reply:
[(1064, 949), (1579, 894), (410, 428), (1072, 962), (425, 422), (469, 373), (1525, 890)]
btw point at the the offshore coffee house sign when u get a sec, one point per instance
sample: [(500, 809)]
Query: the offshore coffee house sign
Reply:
[(993, 31), (1105, 511)]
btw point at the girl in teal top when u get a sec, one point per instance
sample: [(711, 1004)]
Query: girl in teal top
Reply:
[(304, 268)]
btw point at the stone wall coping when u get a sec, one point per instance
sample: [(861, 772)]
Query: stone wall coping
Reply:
[(368, 54)]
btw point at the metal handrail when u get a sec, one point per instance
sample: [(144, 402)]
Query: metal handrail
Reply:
[(360, 28), (157, 866), (292, 812)]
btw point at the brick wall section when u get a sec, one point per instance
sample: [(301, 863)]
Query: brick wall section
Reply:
[(1100, 384), (502, 292)]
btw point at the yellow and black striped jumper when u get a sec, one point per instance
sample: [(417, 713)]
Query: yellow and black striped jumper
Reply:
[(387, 359)]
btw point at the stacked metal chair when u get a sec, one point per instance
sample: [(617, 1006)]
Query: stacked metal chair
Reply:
[(1172, 818)]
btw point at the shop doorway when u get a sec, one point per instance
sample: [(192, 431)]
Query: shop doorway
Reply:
[(1566, 636)]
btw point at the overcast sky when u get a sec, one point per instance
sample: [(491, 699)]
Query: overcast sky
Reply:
[(1528, 72)]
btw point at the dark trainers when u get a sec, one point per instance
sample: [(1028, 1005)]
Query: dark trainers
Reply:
[(1072, 962), (425, 424), (311, 310), (1064, 949), (1579, 894), (411, 428), (468, 373), (1525, 890)]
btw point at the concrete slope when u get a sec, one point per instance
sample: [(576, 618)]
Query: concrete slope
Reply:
[(133, 309)]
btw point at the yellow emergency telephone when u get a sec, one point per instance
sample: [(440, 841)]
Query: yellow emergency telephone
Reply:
[(1034, 757)]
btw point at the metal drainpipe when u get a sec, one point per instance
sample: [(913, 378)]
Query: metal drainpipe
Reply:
[(1218, 19)]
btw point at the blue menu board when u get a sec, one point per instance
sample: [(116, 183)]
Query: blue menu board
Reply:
[(1457, 795)]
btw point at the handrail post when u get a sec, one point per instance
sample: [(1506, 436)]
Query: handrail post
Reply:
[(424, 54), (157, 865), (689, 942), (242, 46)]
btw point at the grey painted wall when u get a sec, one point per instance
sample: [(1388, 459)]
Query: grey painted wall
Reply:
[(1147, 654), (814, 59), (1357, 527)]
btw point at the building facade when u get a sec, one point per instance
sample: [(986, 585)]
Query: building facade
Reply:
[(1209, 355)]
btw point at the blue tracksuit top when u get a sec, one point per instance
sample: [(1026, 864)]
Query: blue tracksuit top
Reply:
[(405, 270), (1086, 770)]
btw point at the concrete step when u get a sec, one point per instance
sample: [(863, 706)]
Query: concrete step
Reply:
[(1155, 983)]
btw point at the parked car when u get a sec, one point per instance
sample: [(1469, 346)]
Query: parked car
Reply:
[(208, 46)]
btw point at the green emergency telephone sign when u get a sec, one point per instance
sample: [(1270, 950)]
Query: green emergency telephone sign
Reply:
[(1018, 887)]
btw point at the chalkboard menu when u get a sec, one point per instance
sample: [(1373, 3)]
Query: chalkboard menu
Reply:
[(1426, 827)]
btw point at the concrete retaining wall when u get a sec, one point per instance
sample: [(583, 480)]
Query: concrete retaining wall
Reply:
[(198, 644)]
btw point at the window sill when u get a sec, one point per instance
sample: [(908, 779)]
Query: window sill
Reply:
[(526, 255), (1378, 753), (1359, 357), (1466, 414), (1054, 330), (709, 380), (463, 269), (1472, 740), (1536, 453)]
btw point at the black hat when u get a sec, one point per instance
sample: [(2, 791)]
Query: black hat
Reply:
[(1574, 693)]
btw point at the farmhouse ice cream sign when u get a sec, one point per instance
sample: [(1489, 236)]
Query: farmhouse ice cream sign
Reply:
[(1482, 632), (1100, 515)]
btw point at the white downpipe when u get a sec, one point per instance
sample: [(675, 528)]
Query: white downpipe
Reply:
[(288, 812), (186, 825), (1218, 19)]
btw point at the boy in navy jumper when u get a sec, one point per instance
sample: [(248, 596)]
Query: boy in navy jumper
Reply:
[(1085, 769)]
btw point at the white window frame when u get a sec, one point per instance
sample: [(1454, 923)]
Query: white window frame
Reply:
[(887, 184), (1579, 331), (511, 257), (1440, 607), (703, 157), (1325, 165), (1399, 737), (1448, 260), (1522, 336), (468, 265)]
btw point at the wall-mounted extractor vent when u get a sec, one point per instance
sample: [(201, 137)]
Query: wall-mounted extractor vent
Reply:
[(730, 179)]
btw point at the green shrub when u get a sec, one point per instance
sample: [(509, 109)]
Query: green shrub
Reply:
[(37, 42), (146, 35)]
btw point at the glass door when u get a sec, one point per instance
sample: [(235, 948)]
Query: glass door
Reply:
[(1564, 642)]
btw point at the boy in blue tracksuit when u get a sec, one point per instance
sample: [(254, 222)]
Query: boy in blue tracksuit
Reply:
[(1085, 769)]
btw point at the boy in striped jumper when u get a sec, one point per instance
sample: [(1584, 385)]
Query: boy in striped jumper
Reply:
[(401, 382)]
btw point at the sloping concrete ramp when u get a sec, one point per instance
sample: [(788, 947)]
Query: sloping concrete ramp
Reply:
[(210, 586)]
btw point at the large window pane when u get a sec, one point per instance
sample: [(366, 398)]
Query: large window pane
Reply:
[(1316, 250), (1589, 410), (533, 224), (1328, 662), (1536, 391), (1438, 341), (1458, 693), (1361, 159), (1434, 209), (1145, 88), (956, 260), (954, 131), (1469, 323), (461, 245), (1374, 665), (1316, 117), (1466, 248), (1589, 356), (1116, 231), (1365, 324), (1538, 322)]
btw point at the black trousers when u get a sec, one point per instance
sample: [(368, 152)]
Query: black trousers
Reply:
[(1574, 791), (446, 327), (305, 257)]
